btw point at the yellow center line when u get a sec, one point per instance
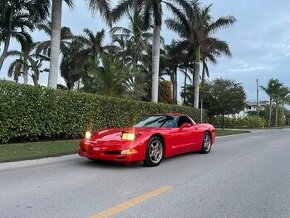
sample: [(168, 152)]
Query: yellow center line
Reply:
[(131, 203)]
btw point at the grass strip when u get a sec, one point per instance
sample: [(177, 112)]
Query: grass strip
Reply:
[(35, 150), (230, 132)]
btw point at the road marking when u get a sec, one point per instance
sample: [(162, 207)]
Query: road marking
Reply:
[(131, 203)]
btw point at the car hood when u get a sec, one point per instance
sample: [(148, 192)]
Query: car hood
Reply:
[(115, 134)]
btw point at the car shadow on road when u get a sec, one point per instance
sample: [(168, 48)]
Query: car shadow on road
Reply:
[(134, 165), (109, 164)]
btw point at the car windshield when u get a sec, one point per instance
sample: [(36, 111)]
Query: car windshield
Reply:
[(157, 121)]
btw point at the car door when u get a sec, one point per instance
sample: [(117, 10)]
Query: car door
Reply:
[(182, 137)]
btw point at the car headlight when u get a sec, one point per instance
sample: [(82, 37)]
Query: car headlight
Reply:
[(128, 136), (89, 134)]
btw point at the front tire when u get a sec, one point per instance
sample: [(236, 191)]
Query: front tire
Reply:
[(206, 143), (154, 152)]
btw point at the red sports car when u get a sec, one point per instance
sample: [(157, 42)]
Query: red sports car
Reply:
[(152, 139)]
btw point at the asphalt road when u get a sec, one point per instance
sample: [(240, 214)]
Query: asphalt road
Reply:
[(244, 176)]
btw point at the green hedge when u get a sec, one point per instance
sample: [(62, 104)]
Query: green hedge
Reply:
[(239, 122), (30, 113)]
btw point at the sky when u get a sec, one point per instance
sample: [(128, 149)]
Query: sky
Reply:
[(259, 40)]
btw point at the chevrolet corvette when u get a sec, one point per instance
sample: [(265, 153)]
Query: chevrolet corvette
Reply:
[(155, 137)]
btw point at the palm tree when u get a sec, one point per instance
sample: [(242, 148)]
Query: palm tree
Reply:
[(16, 17), (136, 37), (43, 48), (172, 59), (152, 12), (109, 79), (211, 50), (271, 90), (283, 96), (74, 61), (25, 64), (16, 70), (102, 6), (93, 44), (195, 25)]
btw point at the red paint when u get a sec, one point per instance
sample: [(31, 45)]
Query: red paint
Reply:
[(107, 144)]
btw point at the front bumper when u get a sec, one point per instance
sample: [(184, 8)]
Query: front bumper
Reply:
[(111, 151)]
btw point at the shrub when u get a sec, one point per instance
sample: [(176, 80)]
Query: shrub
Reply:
[(30, 113), (239, 122)]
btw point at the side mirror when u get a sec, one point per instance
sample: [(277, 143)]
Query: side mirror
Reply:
[(185, 125)]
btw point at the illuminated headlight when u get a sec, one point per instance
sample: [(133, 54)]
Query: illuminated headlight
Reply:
[(89, 134), (128, 136), (129, 151)]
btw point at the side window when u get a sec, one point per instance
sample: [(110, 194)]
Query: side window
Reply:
[(183, 120)]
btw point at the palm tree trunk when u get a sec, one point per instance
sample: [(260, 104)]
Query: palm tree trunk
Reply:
[(155, 63), (55, 43), (203, 74), (25, 78), (270, 113), (35, 78), (6, 42), (185, 80), (4, 53), (175, 86), (196, 77), (283, 113)]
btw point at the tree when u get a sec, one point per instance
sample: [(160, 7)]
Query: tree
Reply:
[(283, 97), (171, 59), (73, 62), (25, 64), (152, 12), (102, 6), (93, 44), (135, 37), (211, 50), (165, 92), (271, 90), (196, 27), (108, 79), (221, 97), (16, 17), (43, 48)]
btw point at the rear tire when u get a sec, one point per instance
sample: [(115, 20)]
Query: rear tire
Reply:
[(154, 152), (206, 143)]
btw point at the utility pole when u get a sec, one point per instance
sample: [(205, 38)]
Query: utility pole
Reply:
[(257, 102)]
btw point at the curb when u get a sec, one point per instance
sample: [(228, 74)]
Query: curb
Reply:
[(34, 162)]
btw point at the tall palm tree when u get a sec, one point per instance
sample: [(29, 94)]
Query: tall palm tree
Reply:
[(43, 48), (195, 26), (136, 36), (16, 17), (272, 90), (211, 50), (152, 12), (103, 6), (93, 44), (173, 59)]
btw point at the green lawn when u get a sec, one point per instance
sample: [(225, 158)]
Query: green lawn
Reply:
[(230, 132), (29, 150), (35, 150)]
